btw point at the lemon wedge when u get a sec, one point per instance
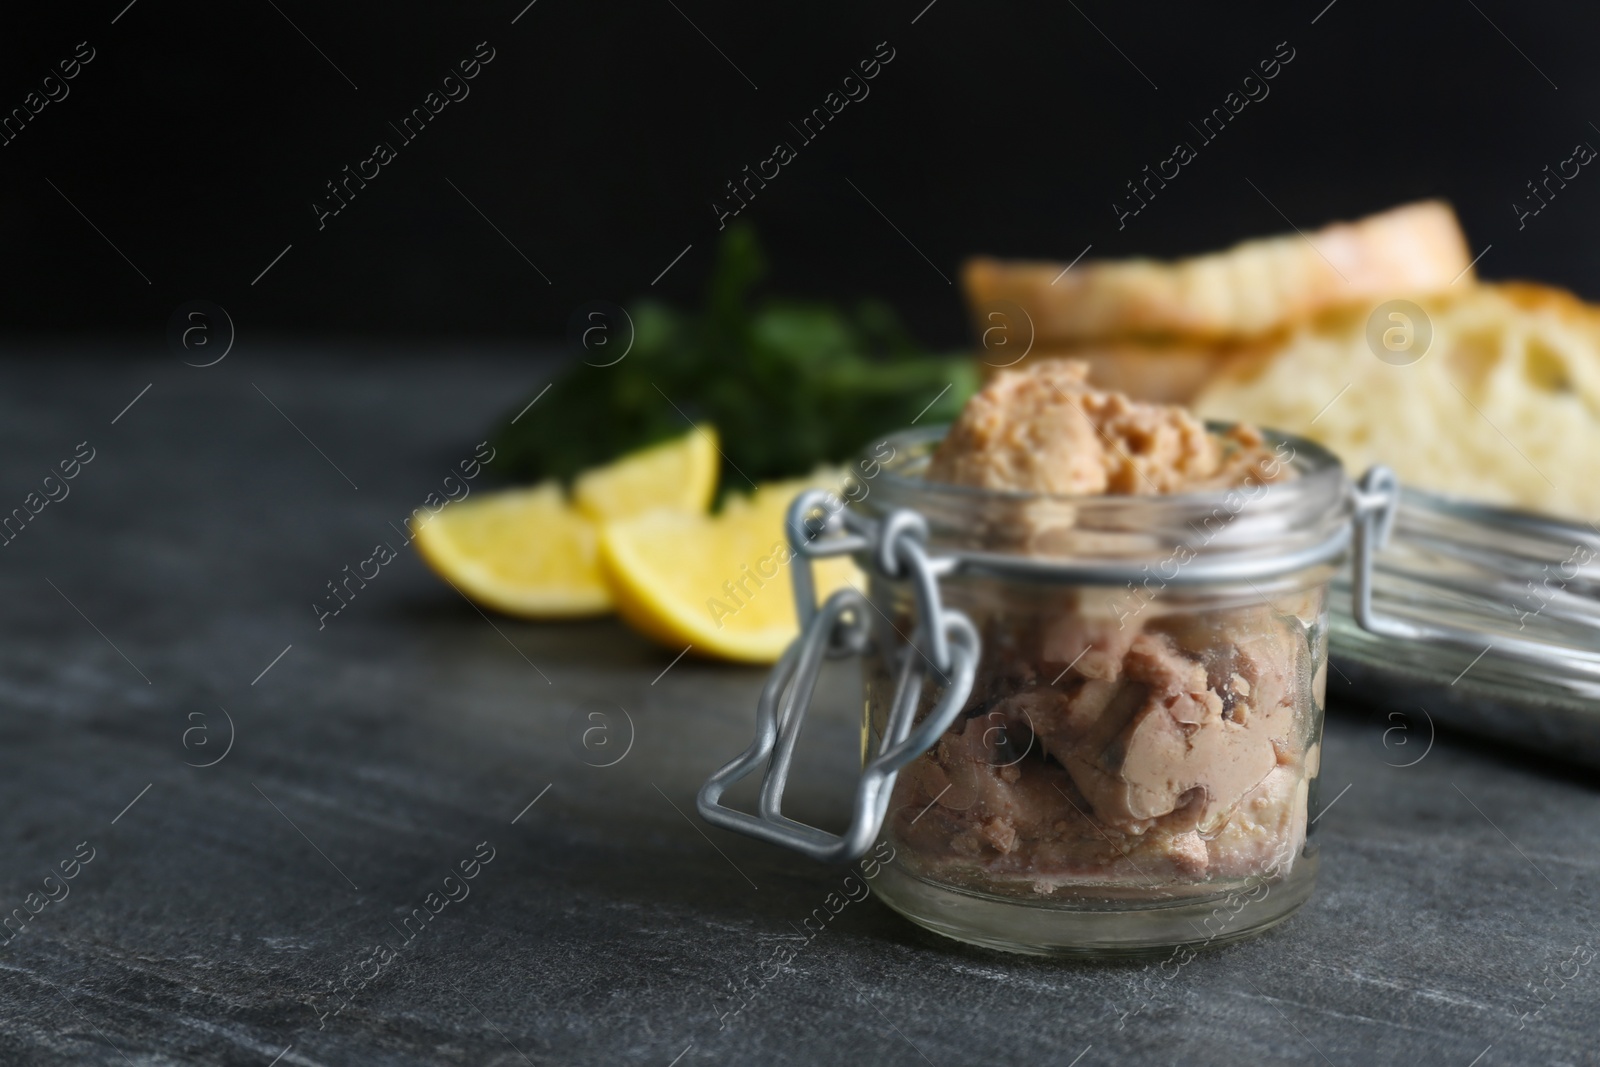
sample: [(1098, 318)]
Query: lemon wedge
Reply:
[(680, 474), (521, 551), (719, 583)]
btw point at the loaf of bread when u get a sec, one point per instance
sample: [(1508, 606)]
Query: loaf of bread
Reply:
[(1250, 290), (1502, 406)]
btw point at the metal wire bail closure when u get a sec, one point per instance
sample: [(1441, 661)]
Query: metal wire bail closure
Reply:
[(1377, 504), (842, 627)]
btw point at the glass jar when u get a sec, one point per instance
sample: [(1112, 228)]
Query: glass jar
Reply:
[(1136, 762), (1092, 724)]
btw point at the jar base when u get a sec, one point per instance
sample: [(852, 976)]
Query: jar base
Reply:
[(1098, 929)]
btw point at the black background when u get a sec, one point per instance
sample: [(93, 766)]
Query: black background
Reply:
[(598, 138)]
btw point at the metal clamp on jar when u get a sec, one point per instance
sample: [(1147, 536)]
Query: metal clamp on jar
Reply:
[(1094, 723)]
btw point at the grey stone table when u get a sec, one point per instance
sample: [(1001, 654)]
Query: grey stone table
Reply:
[(233, 913)]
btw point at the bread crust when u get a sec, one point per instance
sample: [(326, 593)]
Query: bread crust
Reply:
[(1236, 295)]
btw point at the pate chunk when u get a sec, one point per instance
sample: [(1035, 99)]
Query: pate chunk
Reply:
[(1047, 430), (1183, 763), (1176, 747)]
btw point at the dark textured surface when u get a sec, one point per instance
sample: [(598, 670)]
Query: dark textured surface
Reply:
[(608, 928)]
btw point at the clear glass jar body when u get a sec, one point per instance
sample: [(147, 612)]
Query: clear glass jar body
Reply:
[(1136, 764)]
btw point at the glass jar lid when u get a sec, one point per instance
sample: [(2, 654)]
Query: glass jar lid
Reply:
[(1522, 594)]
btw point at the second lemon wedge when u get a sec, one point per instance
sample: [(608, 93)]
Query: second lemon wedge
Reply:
[(720, 583), (680, 474)]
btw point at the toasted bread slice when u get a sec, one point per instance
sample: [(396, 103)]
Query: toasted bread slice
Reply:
[(1503, 406), (1243, 293)]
